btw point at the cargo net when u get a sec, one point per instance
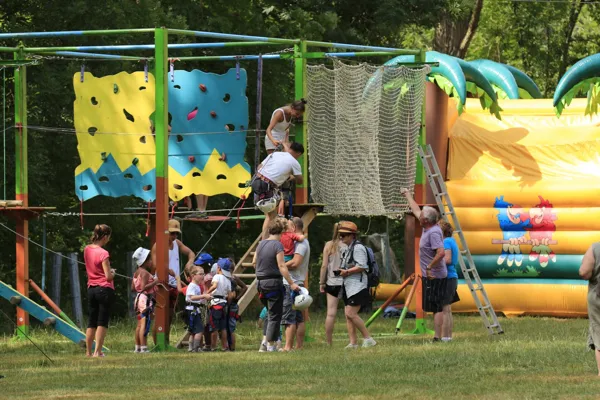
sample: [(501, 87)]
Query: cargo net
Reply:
[(363, 129)]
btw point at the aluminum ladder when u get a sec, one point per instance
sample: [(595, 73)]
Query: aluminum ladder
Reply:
[(470, 274)]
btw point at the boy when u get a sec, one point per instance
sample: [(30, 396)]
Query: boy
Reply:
[(195, 306), (289, 239), (220, 291), (238, 289)]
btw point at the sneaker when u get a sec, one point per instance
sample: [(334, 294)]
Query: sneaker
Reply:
[(278, 345), (262, 348), (369, 342), (197, 215), (144, 351), (351, 347), (271, 349), (435, 339)]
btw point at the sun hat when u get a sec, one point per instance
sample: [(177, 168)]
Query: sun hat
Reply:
[(347, 227), (174, 226), (140, 256)]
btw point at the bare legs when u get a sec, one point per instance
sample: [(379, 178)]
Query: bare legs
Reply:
[(448, 323), (290, 335), (99, 334), (332, 304), (438, 321), (353, 322)]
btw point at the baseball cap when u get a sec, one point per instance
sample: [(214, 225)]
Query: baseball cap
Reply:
[(213, 270), (225, 265), (203, 258), (140, 256)]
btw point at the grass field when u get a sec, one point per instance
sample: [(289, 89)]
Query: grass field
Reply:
[(536, 358)]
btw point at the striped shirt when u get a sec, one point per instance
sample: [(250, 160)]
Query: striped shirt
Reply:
[(356, 282)]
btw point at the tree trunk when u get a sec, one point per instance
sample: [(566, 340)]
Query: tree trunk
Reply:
[(453, 36), (575, 9)]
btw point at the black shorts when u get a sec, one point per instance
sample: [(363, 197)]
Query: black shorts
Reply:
[(100, 301), (218, 320), (361, 298), (333, 290), (434, 293), (451, 293), (262, 190)]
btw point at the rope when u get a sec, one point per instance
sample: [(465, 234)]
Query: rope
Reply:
[(72, 131), (52, 251), (4, 128), (77, 214), (27, 336)]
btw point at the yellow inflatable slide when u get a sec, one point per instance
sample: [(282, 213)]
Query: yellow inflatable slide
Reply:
[(527, 193)]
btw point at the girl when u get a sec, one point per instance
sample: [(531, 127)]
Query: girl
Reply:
[(144, 285), (451, 258), (101, 289), (278, 130), (330, 279)]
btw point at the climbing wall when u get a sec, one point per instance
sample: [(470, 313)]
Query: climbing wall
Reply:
[(113, 118)]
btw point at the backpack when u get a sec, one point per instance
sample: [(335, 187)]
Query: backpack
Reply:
[(373, 270)]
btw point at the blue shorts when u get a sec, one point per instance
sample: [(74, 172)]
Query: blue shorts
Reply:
[(287, 258), (195, 324)]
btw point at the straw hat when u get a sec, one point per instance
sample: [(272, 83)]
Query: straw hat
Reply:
[(174, 226)]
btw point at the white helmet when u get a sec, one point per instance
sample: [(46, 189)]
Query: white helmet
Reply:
[(302, 300), (267, 205)]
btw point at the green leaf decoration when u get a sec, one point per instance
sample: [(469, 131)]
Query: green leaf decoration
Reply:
[(591, 89), (524, 94)]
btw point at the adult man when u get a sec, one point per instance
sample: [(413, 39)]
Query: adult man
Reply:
[(176, 247), (273, 172), (431, 259), (293, 320)]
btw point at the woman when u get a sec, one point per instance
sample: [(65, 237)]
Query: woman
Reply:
[(330, 280), (451, 259), (101, 289), (355, 289), (590, 270), (278, 130), (270, 269)]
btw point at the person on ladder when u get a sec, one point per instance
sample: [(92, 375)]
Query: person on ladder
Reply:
[(431, 258), (273, 172)]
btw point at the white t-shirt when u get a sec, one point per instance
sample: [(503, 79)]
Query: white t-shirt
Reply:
[(194, 290), (278, 167), (222, 290), (174, 263)]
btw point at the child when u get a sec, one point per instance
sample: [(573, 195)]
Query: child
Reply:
[(238, 289), (145, 285), (261, 324), (288, 240), (220, 289), (196, 304)]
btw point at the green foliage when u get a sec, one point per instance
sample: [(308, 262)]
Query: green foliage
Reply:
[(590, 88), (528, 272)]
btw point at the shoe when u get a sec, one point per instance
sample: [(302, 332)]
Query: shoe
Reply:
[(278, 345), (435, 339), (351, 347), (144, 351), (262, 348), (271, 349), (197, 215), (369, 342)]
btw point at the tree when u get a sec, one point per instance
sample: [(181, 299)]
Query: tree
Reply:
[(457, 27)]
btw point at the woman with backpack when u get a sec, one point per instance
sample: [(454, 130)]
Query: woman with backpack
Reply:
[(330, 280), (355, 286)]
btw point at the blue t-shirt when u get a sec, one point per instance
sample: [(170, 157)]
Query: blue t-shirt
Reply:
[(450, 244)]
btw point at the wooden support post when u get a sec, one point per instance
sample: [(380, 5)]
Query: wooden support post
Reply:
[(56, 278), (162, 321), (75, 289)]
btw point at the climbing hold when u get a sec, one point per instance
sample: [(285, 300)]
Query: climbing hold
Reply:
[(135, 161), (192, 114), (103, 156), (223, 157), (191, 158), (50, 321), (203, 87), (115, 88), (15, 300), (213, 114)]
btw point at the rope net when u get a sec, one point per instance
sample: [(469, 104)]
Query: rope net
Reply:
[(363, 135)]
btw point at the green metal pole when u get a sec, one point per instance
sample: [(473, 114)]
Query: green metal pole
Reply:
[(21, 191), (301, 130), (4, 129), (162, 198)]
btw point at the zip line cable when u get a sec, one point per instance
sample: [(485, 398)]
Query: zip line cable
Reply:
[(27, 336)]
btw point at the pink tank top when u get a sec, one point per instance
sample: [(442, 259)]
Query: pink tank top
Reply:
[(137, 284)]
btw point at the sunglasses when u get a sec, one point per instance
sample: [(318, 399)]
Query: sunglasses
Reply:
[(343, 235)]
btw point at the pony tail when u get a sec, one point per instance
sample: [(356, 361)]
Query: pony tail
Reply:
[(100, 231)]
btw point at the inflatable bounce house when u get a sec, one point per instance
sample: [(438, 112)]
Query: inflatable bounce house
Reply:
[(523, 174)]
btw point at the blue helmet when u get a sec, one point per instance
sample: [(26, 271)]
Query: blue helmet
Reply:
[(203, 258)]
